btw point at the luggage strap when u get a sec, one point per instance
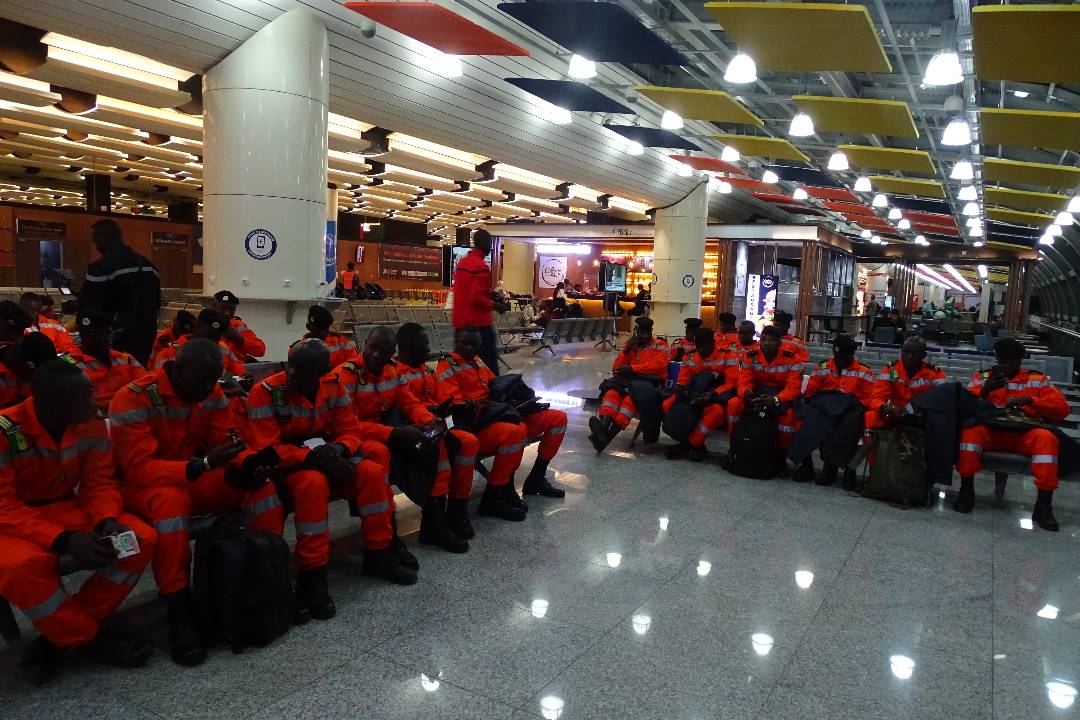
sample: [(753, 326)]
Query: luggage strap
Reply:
[(15, 436)]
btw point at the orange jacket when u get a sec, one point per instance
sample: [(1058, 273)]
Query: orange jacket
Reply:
[(421, 381), (61, 338), (164, 339), (123, 369), (460, 379), (856, 379), (893, 384), (156, 433), (721, 361), (341, 347), (799, 344), (12, 390), (233, 364), (251, 344), (686, 346), (651, 359), (36, 470), (1047, 402), (784, 372), (285, 419), (372, 397)]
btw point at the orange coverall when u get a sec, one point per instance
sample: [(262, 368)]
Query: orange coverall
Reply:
[(722, 361), (784, 372), (12, 390), (156, 433), (893, 385), (107, 380), (284, 419), (164, 339), (342, 348), (47, 488), (799, 344), (651, 359), (251, 344), (686, 346), (1047, 403), (233, 364), (61, 338)]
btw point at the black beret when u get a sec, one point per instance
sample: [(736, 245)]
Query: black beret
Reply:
[(227, 297)]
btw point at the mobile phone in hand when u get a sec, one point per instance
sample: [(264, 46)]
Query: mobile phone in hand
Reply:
[(126, 544)]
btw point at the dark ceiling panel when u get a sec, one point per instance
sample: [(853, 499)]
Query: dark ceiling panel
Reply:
[(804, 176), (930, 206), (570, 95), (652, 137)]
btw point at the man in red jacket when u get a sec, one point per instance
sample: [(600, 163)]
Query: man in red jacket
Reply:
[(472, 297)]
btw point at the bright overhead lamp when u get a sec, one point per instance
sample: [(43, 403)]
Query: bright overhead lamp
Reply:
[(730, 154), (904, 224), (448, 66), (1074, 205), (633, 147), (921, 240), (866, 234), (1064, 218), (875, 239), (880, 201), (977, 243), (581, 68), (838, 161), (684, 170), (962, 171), (800, 194), (960, 278), (1046, 239), (973, 221), (721, 186), (976, 231), (801, 126), (671, 121), (741, 70), (943, 69), (1020, 94), (967, 192), (895, 214), (982, 271), (553, 113), (1055, 230), (862, 184), (971, 209), (770, 177), (957, 132)]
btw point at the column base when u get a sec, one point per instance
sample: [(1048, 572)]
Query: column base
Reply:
[(668, 317), (278, 323)]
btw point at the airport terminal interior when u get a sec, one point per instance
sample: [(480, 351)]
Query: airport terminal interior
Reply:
[(618, 359)]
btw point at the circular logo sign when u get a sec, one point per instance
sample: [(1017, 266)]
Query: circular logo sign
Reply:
[(655, 279), (687, 281), (260, 244)]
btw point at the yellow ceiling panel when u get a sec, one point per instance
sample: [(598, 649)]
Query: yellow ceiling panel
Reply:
[(759, 146), (906, 186), (878, 117), (916, 161), (1027, 43), (1025, 200), (1030, 128), (803, 36), (1028, 173), (1018, 217), (714, 105)]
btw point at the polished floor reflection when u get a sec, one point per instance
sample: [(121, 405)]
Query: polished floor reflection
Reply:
[(657, 590)]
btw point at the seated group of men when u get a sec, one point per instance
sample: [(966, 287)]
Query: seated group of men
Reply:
[(175, 447), (767, 376)]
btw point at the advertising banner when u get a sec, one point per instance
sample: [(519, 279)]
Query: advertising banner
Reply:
[(410, 262), (552, 271), (761, 299)]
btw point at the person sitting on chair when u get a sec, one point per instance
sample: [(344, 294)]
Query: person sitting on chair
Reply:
[(727, 333), (782, 321), (182, 326), (684, 346), (711, 404), (745, 342), (319, 320), (900, 382)]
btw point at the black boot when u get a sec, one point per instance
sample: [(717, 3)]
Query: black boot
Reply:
[(805, 473), (828, 474), (965, 499), (697, 454), (1043, 514), (42, 662), (678, 451), (122, 651), (313, 594), (537, 483), (400, 549), (185, 643), (434, 529), (781, 462), (850, 479), (495, 503), (457, 518), (385, 565), (599, 437), (512, 497)]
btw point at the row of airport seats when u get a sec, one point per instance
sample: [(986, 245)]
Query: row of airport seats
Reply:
[(570, 330)]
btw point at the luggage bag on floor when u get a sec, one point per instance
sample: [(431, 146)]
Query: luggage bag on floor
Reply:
[(898, 473), (754, 452)]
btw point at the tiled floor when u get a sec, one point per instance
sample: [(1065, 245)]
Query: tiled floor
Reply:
[(729, 598)]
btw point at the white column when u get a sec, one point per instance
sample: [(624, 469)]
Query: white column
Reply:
[(265, 196), (679, 262), (518, 266), (986, 299)]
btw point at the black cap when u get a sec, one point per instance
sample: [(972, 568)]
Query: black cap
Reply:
[(227, 297), (845, 344), (185, 320), (782, 317), (694, 323), (212, 318), (93, 318), (14, 316), (1009, 349), (644, 323), (35, 349), (320, 316)]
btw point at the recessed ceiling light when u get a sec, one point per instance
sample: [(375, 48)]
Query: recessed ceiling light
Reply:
[(1021, 93), (581, 68)]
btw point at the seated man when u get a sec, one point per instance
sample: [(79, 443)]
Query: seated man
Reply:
[(643, 358), (305, 415), (836, 430), (711, 403), (108, 369), (782, 321), (61, 338), (684, 346), (377, 393), (182, 326), (241, 339), (726, 333), (900, 382), (342, 347), (210, 325), (58, 496), (770, 377), (18, 361), (1008, 385), (179, 456), (744, 337)]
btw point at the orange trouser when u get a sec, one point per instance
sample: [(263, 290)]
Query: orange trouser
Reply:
[(506, 442), (455, 476), (1040, 444), (618, 406), (371, 494), (168, 507), (29, 579), (786, 423), (550, 427), (713, 418)]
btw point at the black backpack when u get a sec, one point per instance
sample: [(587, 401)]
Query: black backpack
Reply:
[(753, 450), (241, 585)]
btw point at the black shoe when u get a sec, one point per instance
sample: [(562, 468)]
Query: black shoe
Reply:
[(400, 549), (512, 497), (186, 645), (384, 564), (850, 479), (697, 454), (805, 473), (434, 530), (1043, 514), (828, 474), (457, 518), (678, 451), (494, 503), (537, 483), (42, 662), (122, 651), (782, 469), (313, 594), (599, 438), (965, 499)]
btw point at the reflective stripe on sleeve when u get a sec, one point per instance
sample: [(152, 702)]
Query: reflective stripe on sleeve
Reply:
[(44, 609), (118, 576), (264, 505), (171, 525), (970, 447), (1043, 459), (312, 528), (378, 507)]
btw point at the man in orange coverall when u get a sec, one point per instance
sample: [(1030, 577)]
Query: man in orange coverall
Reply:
[(58, 496), (182, 326), (61, 338), (726, 334), (643, 356), (456, 477), (240, 338), (319, 320), (18, 360), (305, 414), (379, 395), (712, 405), (782, 321), (108, 369), (179, 456), (1008, 385), (900, 382), (210, 325), (683, 347)]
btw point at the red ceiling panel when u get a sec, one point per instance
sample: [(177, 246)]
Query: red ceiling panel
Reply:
[(748, 184), (801, 210), (930, 218), (849, 208), (938, 229), (775, 198), (708, 164), (437, 27), (838, 194)]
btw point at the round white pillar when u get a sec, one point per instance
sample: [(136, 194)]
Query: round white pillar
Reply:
[(679, 262), (518, 266), (986, 299)]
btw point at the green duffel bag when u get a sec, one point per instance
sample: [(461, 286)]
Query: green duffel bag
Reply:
[(898, 473)]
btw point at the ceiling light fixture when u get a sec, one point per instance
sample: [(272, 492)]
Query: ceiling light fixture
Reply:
[(741, 70), (866, 234), (875, 239), (671, 121), (971, 209), (977, 243), (448, 66), (730, 154), (721, 186), (880, 201), (973, 221), (801, 126), (1074, 205), (967, 192), (800, 194), (1021, 94), (944, 69), (904, 224), (581, 68), (1055, 230), (982, 271), (957, 132), (962, 171), (633, 147), (684, 170), (553, 113), (1064, 218), (770, 177), (838, 161), (921, 240), (956, 274), (1046, 239), (895, 214), (862, 184)]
